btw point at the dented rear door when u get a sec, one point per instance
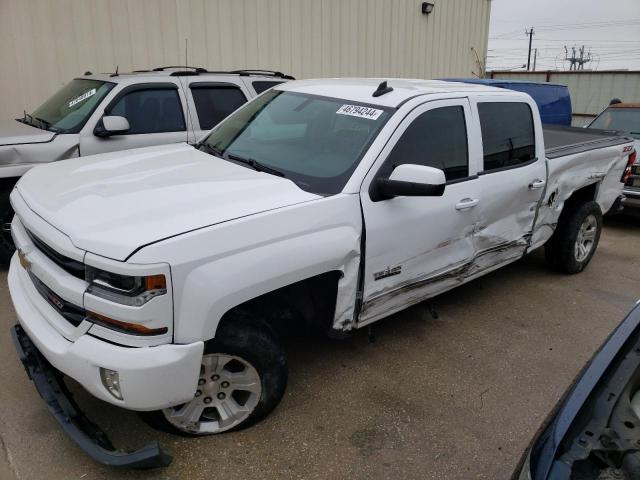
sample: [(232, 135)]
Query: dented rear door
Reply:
[(512, 179), (417, 247)]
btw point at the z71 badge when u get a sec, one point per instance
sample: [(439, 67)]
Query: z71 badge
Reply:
[(387, 272)]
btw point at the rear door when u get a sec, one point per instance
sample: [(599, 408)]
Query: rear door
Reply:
[(155, 112), (512, 178), (417, 247)]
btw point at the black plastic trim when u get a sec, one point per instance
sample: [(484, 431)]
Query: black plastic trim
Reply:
[(508, 167), (73, 267), (196, 85), (86, 434)]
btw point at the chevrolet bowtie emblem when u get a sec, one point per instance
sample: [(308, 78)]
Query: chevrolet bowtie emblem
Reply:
[(23, 260)]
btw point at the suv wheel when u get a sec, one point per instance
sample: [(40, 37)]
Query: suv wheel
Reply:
[(243, 376)]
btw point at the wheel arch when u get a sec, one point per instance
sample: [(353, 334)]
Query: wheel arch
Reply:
[(582, 195), (310, 302)]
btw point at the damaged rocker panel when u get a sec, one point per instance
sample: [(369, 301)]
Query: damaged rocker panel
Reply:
[(419, 289)]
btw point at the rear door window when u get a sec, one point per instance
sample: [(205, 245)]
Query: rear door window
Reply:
[(508, 138), (215, 102), (262, 85)]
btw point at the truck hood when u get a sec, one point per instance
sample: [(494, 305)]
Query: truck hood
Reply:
[(115, 203), (13, 132)]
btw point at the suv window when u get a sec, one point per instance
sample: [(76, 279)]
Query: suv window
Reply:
[(153, 110), (507, 134), (262, 85), (437, 138), (214, 103)]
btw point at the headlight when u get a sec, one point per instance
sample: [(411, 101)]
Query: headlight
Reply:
[(124, 289)]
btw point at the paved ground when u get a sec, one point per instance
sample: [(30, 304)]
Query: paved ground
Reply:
[(458, 397)]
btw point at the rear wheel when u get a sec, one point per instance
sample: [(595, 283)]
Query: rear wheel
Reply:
[(6, 216), (572, 246), (242, 378)]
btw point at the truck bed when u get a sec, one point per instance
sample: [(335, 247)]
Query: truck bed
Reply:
[(561, 141)]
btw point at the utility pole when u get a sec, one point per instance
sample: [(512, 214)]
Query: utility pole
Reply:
[(535, 56), (530, 34)]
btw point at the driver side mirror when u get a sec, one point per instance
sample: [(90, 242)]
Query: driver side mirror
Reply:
[(410, 180), (111, 125)]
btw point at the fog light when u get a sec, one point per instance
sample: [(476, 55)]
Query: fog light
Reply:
[(111, 382)]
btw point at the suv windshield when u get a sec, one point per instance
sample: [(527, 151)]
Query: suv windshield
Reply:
[(623, 119), (314, 141), (68, 109)]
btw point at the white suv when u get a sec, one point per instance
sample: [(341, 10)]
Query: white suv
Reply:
[(108, 112)]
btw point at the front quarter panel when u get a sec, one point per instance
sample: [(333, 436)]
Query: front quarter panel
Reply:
[(217, 268), (15, 160)]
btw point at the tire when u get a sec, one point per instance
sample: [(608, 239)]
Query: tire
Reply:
[(576, 238), (7, 248), (250, 343)]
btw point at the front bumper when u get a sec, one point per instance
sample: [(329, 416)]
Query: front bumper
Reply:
[(80, 429), (151, 378)]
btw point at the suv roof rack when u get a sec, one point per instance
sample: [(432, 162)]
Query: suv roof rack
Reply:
[(271, 73), (189, 71), (196, 69)]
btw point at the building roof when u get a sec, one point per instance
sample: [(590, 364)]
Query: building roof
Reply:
[(361, 89), (625, 105)]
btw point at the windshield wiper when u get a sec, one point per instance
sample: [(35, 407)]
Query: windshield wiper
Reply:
[(260, 167), (209, 149), (44, 122)]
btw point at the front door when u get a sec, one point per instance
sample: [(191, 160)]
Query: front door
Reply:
[(417, 247), (156, 117)]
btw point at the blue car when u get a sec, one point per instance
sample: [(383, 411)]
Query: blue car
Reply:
[(553, 99), (594, 431)]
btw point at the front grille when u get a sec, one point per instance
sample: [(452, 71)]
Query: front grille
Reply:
[(69, 265), (72, 313)]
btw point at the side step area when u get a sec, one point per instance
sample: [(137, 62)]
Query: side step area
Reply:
[(87, 435)]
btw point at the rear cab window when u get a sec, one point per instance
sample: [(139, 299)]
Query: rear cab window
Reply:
[(215, 101), (508, 135)]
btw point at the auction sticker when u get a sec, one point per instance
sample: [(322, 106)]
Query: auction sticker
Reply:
[(82, 97), (358, 111)]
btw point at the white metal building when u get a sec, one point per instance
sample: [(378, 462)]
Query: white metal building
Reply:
[(45, 43)]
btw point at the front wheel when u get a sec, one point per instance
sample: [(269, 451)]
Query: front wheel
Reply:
[(243, 376), (572, 246)]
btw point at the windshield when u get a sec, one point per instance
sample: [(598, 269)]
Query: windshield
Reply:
[(623, 119), (315, 141), (68, 109)]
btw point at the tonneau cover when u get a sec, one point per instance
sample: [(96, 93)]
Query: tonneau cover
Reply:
[(561, 141)]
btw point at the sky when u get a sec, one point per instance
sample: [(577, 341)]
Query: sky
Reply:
[(609, 29)]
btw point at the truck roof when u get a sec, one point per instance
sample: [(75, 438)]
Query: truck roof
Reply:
[(361, 89), (502, 81)]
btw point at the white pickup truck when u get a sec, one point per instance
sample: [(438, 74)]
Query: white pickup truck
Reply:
[(157, 278)]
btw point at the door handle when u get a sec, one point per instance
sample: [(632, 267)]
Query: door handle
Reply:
[(536, 184), (467, 203)]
